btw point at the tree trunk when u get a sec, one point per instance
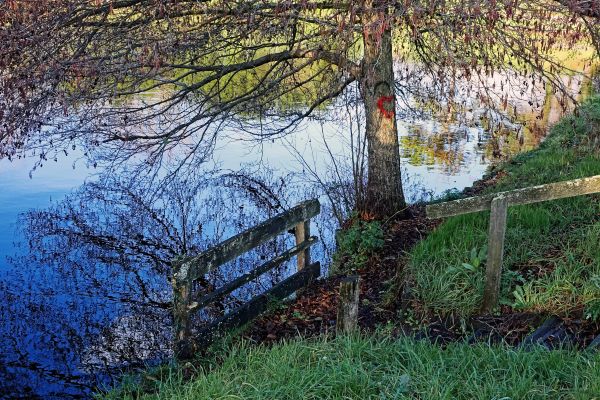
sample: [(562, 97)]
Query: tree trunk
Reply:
[(384, 185)]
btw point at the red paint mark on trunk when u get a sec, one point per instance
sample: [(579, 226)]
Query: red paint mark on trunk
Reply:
[(381, 105)]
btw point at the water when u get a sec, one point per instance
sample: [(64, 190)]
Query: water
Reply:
[(20, 192), (63, 312)]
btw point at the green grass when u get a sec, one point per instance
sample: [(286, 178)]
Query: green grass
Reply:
[(559, 238), (378, 367)]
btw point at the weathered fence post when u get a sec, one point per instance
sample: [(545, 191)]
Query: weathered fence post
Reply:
[(347, 313), (302, 233), (498, 203), (181, 301), (493, 270)]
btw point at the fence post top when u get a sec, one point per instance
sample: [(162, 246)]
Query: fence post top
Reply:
[(181, 268), (351, 278), (502, 197)]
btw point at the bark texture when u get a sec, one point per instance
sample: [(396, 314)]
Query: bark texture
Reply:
[(384, 187)]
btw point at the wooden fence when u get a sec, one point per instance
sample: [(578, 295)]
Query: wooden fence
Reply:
[(190, 269), (498, 203)]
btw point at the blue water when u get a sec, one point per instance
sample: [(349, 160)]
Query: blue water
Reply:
[(22, 189)]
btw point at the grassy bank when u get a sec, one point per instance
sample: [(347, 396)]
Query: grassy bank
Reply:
[(552, 254), (378, 367)]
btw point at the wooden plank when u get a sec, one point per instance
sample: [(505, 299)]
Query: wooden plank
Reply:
[(257, 305), (347, 313), (493, 270), (236, 283), (194, 267), (534, 194)]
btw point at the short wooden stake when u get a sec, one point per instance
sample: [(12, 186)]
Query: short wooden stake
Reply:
[(493, 271), (347, 314)]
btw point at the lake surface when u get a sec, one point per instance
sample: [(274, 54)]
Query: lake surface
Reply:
[(52, 321)]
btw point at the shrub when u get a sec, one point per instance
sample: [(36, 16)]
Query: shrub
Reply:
[(357, 244)]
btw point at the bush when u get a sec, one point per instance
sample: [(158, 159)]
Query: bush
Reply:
[(356, 245)]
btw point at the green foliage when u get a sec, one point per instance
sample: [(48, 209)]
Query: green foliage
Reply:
[(584, 128), (552, 251), (357, 244), (521, 298), (378, 367), (592, 308), (475, 260)]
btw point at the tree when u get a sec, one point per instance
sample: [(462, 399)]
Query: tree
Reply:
[(131, 77)]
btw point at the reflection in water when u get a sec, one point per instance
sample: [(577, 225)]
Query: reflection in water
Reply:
[(477, 132), (90, 298), (442, 150)]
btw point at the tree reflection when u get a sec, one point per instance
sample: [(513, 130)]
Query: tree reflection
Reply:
[(89, 295), (491, 133), (442, 149)]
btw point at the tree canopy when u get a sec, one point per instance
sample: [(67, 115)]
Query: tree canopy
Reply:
[(127, 78)]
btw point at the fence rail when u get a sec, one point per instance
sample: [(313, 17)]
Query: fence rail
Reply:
[(533, 194), (190, 269), (498, 203)]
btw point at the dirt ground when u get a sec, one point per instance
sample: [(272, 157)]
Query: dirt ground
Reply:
[(314, 311)]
